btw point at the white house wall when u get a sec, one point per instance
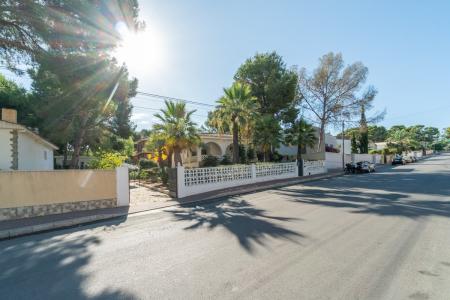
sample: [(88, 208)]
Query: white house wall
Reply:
[(5, 149), (32, 154)]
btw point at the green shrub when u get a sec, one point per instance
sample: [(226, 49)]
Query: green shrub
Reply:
[(164, 176), (134, 175), (251, 154), (210, 161), (147, 164), (225, 160), (242, 154), (107, 160)]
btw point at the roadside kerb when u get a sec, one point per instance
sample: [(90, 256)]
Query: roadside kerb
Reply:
[(201, 198)]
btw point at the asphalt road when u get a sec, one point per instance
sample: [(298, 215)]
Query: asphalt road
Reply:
[(375, 236)]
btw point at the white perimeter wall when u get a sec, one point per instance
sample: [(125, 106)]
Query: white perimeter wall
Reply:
[(31, 154), (334, 160), (5, 149)]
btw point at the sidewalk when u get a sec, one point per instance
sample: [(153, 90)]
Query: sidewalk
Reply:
[(19, 227)]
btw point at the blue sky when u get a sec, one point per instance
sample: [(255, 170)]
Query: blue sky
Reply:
[(200, 45)]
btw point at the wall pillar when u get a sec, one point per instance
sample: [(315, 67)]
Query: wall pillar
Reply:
[(253, 172), (181, 192), (14, 149), (122, 186)]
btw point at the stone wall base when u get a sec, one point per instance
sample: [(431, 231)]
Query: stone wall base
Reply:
[(51, 209)]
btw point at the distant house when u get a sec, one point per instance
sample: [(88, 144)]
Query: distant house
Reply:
[(332, 144), (379, 145), (21, 148)]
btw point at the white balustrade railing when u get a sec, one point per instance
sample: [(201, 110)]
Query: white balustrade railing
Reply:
[(313, 167), (200, 180), (276, 170)]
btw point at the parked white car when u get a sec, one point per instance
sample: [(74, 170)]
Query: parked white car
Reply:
[(365, 166)]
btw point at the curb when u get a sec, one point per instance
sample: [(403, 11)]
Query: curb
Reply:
[(64, 224)]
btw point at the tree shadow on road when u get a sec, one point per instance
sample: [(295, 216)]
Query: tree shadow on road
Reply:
[(381, 194), (250, 225), (49, 266), (437, 183)]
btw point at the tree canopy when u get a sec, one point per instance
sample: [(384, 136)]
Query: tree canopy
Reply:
[(30, 28), (271, 82), (331, 89)]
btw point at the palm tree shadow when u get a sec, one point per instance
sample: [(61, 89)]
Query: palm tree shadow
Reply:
[(50, 267), (250, 225)]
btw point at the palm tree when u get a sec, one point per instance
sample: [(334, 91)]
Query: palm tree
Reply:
[(303, 135), (235, 109), (267, 134), (179, 131)]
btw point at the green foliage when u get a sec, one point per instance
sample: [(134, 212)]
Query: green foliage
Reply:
[(375, 151), (272, 84), (251, 154), (412, 138), (354, 143), (176, 128), (242, 154), (225, 160), (107, 160), (377, 133), (146, 163), (33, 28), (16, 97), (210, 161), (267, 134), (301, 134), (447, 132), (235, 109), (348, 133), (363, 142)]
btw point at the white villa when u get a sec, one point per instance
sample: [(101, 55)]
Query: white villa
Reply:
[(219, 145), (21, 148)]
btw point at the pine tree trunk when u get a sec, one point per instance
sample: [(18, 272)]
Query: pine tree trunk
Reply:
[(78, 143), (321, 146), (64, 162)]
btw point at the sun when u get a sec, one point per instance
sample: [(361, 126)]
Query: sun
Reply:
[(141, 51)]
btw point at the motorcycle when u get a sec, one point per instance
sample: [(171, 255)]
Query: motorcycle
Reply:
[(350, 168)]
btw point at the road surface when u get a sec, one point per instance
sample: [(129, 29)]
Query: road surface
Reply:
[(374, 236)]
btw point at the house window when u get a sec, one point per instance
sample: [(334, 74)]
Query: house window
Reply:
[(45, 155)]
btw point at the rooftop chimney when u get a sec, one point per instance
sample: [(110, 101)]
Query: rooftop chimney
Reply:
[(9, 115)]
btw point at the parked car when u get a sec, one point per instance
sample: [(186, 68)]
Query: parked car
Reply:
[(365, 167), (398, 160), (407, 159)]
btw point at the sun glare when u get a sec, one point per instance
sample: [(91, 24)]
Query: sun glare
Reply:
[(141, 51)]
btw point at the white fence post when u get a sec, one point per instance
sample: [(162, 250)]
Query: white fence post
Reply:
[(253, 172), (181, 190), (122, 186)]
